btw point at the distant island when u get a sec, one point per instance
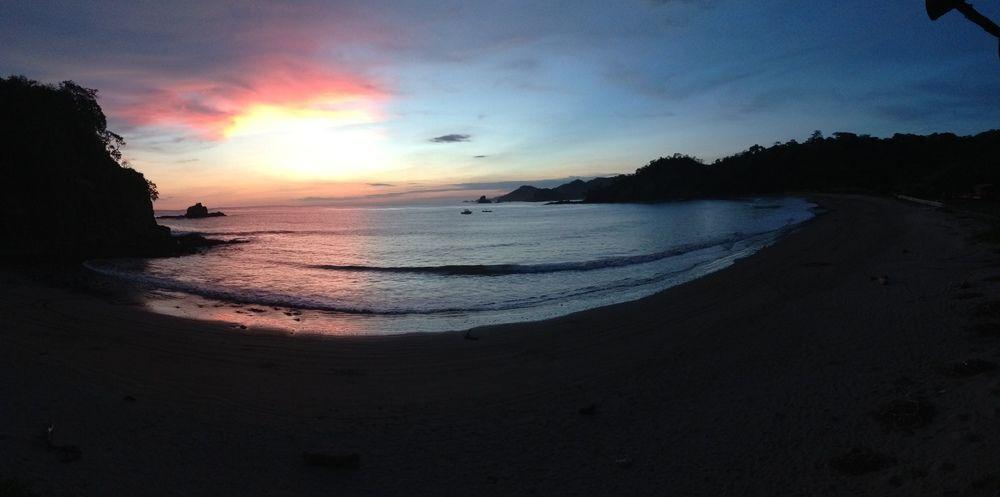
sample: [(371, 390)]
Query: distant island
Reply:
[(196, 211), (941, 166), (574, 190)]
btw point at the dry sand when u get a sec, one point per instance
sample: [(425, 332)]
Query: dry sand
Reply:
[(756, 380)]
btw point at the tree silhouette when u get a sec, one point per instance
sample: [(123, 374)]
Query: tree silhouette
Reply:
[(937, 166), (64, 186)]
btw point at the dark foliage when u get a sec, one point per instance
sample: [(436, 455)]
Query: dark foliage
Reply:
[(66, 192), (938, 166)]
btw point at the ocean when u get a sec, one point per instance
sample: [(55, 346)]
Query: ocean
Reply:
[(385, 270)]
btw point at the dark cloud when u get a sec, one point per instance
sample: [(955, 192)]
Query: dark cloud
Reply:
[(909, 113), (677, 85), (652, 115), (523, 64), (452, 138), (924, 105), (479, 156), (380, 184), (185, 161)]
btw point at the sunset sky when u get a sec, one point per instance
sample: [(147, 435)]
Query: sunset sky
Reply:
[(248, 103)]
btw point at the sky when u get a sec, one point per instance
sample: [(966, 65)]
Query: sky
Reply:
[(254, 103)]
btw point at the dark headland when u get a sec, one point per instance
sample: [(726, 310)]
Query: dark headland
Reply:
[(66, 192), (940, 167), (574, 190)]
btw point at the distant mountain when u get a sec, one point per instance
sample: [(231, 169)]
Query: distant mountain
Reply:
[(574, 190)]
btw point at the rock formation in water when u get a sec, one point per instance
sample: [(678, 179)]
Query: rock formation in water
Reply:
[(196, 211)]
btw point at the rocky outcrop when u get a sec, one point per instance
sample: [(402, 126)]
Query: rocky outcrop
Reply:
[(196, 211)]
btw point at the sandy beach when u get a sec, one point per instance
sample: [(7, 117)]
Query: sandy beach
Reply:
[(854, 357)]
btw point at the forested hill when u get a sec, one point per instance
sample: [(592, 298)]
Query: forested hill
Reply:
[(937, 166), (574, 190)]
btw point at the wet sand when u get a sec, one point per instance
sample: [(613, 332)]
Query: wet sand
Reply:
[(851, 358)]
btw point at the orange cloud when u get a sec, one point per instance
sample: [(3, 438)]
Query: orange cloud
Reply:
[(218, 107)]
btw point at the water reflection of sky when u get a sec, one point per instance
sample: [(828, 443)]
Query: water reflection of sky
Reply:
[(542, 261)]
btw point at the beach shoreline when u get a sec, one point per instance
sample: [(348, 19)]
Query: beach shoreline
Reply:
[(392, 271), (753, 380)]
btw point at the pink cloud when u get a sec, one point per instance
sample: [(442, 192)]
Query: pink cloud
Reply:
[(207, 106)]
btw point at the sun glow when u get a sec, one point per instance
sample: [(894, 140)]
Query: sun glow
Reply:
[(311, 143), (263, 119)]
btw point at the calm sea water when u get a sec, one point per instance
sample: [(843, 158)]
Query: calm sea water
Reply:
[(397, 269)]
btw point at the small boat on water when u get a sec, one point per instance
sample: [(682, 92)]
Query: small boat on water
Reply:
[(487, 210), (466, 211)]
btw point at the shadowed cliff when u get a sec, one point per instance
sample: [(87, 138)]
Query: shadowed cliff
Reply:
[(66, 193)]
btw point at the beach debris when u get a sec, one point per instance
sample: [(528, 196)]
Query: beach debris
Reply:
[(907, 413), (351, 460), (468, 336), (243, 326), (257, 310), (67, 453), (588, 410), (971, 367), (858, 461)]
